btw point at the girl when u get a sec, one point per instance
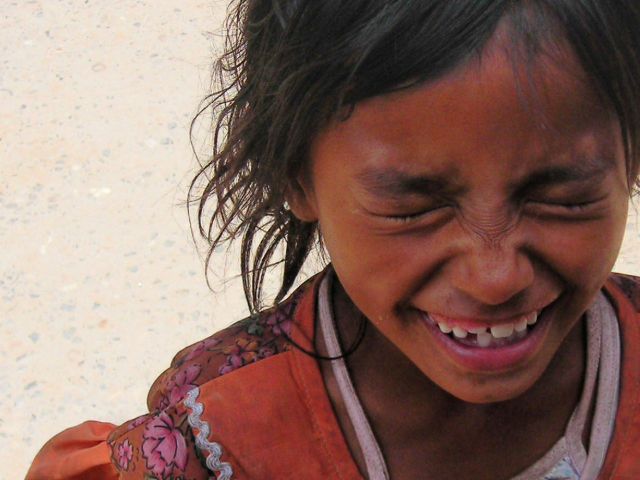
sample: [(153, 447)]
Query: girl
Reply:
[(467, 165)]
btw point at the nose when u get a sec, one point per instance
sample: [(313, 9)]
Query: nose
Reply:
[(493, 274)]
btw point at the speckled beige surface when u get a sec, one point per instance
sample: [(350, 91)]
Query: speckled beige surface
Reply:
[(100, 283)]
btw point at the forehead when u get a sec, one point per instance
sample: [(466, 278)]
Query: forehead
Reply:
[(491, 109)]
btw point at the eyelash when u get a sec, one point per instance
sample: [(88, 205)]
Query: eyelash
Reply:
[(413, 216), (576, 207), (405, 218)]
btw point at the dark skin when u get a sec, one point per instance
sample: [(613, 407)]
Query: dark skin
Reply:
[(410, 447), (455, 198)]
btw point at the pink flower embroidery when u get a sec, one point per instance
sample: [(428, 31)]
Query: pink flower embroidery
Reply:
[(280, 321), (200, 347), (265, 352), (179, 385), (124, 453), (240, 353), (137, 421), (164, 448)]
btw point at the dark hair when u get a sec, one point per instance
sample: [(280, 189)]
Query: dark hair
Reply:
[(289, 66)]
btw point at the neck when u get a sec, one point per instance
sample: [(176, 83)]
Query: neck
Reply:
[(388, 383)]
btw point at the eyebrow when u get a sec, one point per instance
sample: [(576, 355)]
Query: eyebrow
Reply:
[(585, 170), (393, 184)]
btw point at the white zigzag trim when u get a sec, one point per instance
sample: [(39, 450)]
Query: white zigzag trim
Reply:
[(225, 472)]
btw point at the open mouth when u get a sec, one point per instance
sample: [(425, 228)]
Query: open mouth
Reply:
[(480, 336), (481, 345)]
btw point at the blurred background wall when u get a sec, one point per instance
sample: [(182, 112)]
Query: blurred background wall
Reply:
[(100, 283)]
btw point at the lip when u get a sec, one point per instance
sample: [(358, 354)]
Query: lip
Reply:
[(492, 359)]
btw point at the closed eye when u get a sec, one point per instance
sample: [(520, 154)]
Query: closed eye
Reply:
[(413, 216), (565, 208)]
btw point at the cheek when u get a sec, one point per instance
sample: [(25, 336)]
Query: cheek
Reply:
[(379, 272), (371, 268), (582, 253)]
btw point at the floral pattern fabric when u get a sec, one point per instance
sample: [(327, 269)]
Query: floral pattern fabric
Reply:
[(161, 445)]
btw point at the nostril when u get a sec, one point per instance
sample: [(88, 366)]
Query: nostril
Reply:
[(494, 278)]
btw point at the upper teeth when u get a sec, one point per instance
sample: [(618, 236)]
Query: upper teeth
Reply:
[(502, 331), (460, 332), (484, 333), (444, 327)]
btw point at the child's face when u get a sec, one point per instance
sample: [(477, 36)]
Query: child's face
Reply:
[(470, 198)]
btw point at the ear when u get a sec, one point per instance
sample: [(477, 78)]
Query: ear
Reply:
[(301, 199)]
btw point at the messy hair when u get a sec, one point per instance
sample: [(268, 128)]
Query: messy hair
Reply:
[(291, 66)]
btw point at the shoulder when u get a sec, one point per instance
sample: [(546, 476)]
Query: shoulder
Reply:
[(621, 461), (246, 342), (162, 442), (628, 286)]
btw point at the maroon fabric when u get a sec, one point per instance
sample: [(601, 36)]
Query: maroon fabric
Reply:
[(623, 457)]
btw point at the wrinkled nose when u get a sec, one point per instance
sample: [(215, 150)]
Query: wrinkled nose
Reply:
[(493, 275)]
